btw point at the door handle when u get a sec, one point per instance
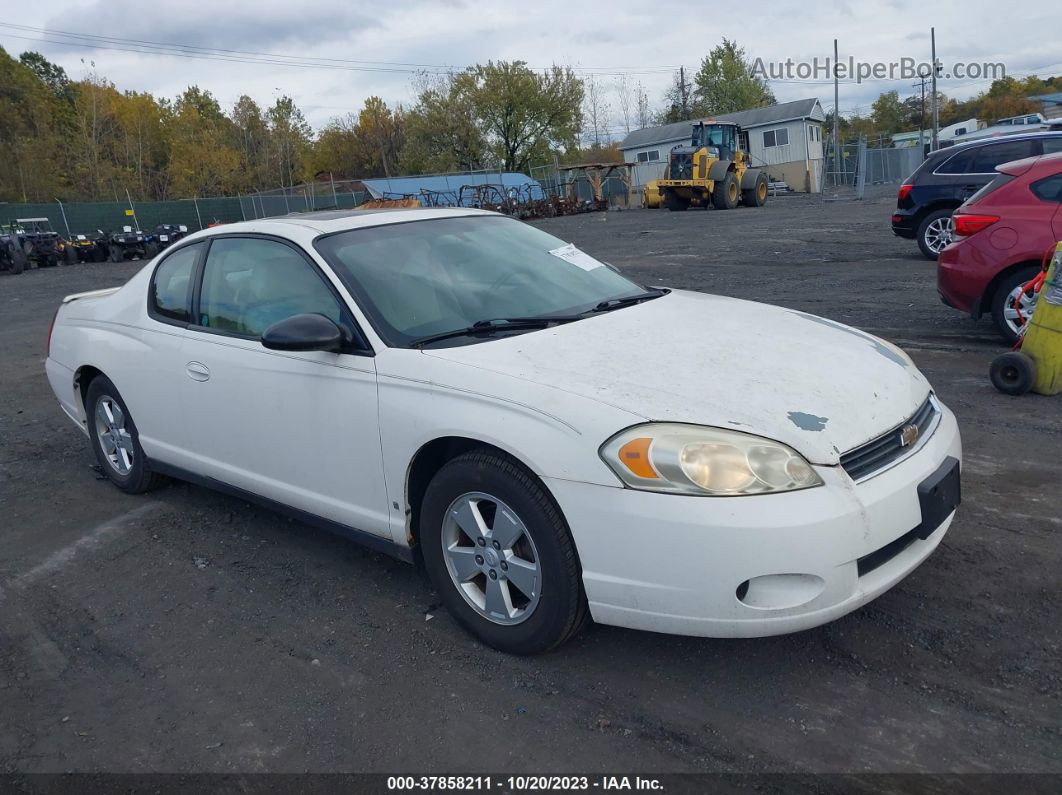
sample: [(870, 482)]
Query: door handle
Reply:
[(197, 371)]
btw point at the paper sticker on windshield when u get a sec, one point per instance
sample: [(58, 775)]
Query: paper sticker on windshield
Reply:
[(581, 259)]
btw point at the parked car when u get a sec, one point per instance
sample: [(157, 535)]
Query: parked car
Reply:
[(1002, 233), (949, 177), (549, 438), (168, 234), (130, 243)]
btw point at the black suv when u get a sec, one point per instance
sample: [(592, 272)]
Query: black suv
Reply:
[(948, 177)]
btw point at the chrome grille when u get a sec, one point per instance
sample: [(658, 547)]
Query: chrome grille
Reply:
[(887, 448)]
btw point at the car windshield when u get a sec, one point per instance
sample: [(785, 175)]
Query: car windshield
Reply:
[(425, 278)]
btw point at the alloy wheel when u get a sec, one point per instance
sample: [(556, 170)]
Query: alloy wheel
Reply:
[(114, 437), (939, 234), (491, 558), (1025, 302)]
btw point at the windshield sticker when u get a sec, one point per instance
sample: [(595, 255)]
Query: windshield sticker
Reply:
[(581, 259)]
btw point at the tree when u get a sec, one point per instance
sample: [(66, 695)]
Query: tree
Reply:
[(290, 141), (596, 112), (523, 114), (644, 116), (383, 132), (725, 82), (203, 160), (678, 100), (889, 114), (442, 131), (254, 144)]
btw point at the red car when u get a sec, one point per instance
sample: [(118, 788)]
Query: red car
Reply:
[(1001, 235)]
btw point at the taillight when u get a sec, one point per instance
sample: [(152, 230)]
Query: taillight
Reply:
[(902, 193), (971, 224), (51, 326)]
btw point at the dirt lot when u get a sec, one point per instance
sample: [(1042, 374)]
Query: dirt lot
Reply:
[(188, 631)]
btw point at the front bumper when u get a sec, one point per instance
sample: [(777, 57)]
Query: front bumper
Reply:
[(675, 564)]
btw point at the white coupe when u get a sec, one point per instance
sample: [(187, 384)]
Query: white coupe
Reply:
[(550, 440)]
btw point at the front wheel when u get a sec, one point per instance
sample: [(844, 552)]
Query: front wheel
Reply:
[(115, 439), (725, 193), (498, 551)]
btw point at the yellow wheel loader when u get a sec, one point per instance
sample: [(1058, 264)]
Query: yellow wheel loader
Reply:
[(712, 169)]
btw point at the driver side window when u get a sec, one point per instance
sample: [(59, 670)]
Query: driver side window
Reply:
[(250, 283)]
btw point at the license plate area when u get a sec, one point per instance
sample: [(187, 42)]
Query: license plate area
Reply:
[(938, 496)]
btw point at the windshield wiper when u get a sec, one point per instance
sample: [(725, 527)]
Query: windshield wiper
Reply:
[(496, 324), (616, 303)]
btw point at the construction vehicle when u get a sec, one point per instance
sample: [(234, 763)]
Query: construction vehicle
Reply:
[(712, 169), (651, 195)]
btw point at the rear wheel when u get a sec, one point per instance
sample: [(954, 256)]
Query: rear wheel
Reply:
[(115, 440), (71, 255), (500, 555), (1011, 307), (756, 196), (934, 233), (725, 194), (115, 254), (674, 202)]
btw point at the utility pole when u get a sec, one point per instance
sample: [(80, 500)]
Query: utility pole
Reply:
[(836, 119), (936, 117), (922, 115), (683, 96)]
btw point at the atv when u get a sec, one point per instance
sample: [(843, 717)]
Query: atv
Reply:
[(130, 244), (168, 234), (12, 257), (43, 246), (87, 248)]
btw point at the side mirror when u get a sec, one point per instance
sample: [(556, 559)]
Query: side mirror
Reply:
[(308, 332)]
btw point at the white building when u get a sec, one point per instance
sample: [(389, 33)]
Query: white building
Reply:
[(785, 140)]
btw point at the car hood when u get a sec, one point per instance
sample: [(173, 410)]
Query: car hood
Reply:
[(819, 386)]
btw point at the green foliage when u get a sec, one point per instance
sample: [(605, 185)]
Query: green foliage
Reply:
[(725, 82)]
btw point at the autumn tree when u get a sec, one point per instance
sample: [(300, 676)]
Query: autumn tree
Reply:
[(442, 130), (203, 161), (725, 83), (523, 114)]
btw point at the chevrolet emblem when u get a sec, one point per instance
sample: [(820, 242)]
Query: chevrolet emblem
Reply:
[(909, 435)]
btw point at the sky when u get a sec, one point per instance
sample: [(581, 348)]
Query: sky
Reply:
[(330, 56)]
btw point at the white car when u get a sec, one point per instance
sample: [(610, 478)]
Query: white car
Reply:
[(551, 440)]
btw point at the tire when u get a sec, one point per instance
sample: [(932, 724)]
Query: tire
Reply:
[(124, 464), (1013, 373), (98, 254), (1003, 315), (151, 249), (931, 235), (482, 486), (674, 202), (71, 255), (725, 193), (115, 254), (756, 196), (17, 257)]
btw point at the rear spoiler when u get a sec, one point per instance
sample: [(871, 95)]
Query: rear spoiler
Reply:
[(91, 294)]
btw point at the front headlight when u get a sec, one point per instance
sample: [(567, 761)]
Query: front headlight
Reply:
[(696, 459)]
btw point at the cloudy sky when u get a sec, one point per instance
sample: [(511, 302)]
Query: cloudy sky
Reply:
[(330, 55)]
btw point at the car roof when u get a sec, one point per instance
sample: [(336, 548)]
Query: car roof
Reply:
[(995, 139), (331, 221)]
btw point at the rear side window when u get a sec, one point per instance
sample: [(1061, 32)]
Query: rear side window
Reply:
[(171, 286), (1048, 189), (986, 158), (991, 187), (959, 164), (1052, 145)]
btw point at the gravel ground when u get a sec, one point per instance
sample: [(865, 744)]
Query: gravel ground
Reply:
[(188, 631)]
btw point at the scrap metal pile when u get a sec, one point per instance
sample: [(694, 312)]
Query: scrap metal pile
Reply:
[(520, 201)]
